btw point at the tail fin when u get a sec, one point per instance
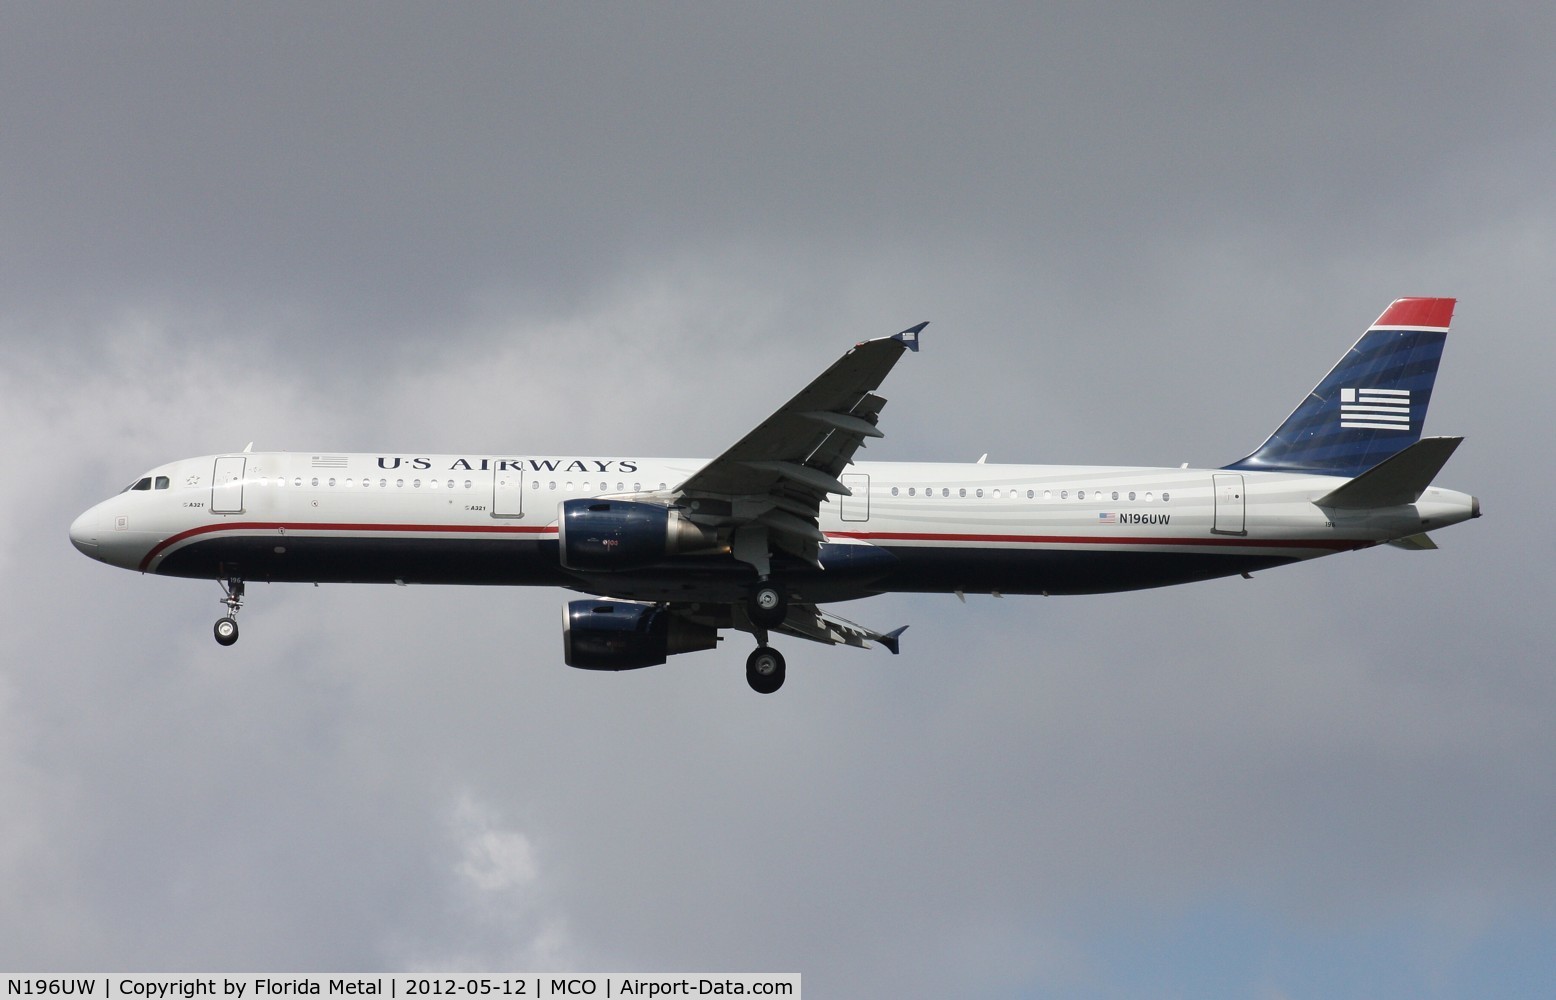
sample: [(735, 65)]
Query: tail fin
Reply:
[(1371, 405)]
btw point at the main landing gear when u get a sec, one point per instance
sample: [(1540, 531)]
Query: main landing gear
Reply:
[(767, 606), (226, 629), (765, 668)]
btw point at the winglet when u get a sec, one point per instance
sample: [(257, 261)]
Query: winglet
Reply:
[(909, 337), (891, 639)]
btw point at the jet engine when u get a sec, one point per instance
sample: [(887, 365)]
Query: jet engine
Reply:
[(625, 534), (626, 635)]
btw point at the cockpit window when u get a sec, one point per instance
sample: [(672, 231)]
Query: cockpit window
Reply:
[(162, 482), (139, 484)]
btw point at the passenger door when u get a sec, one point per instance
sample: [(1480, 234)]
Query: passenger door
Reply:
[(227, 485), (1231, 505)]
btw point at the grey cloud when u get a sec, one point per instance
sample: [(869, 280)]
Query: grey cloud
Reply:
[(1140, 236)]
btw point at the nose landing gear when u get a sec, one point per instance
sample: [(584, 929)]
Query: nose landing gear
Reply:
[(226, 629)]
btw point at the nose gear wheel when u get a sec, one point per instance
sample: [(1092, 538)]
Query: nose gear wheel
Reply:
[(226, 629)]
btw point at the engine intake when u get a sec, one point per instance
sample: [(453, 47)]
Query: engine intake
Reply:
[(625, 534), (626, 635)]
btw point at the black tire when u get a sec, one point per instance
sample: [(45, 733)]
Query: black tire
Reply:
[(765, 670), (226, 631), (768, 605)]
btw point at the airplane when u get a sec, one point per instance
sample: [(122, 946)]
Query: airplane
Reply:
[(673, 551)]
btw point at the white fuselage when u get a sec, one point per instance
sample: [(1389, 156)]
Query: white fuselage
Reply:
[(932, 526)]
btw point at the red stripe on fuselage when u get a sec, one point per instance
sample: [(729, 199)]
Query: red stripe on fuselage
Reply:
[(1257, 543), (1337, 545)]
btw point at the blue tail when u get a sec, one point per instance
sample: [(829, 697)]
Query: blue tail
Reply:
[(1372, 405)]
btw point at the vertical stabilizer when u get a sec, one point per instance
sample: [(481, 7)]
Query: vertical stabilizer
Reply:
[(1372, 405)]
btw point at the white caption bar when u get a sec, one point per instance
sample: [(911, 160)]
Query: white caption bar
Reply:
[(254, 986)]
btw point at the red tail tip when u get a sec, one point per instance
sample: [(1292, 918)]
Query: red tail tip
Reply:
[(1418, 313)]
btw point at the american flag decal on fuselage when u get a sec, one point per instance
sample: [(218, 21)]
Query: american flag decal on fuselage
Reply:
[(1377, 409)]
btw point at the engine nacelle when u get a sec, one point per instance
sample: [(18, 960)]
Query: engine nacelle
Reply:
[(625, 534), (625, 635)]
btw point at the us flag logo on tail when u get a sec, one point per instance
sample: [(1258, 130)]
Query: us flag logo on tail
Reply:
[(1377, 409)]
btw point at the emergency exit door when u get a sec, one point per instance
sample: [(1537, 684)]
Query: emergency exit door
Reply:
[(508, 488)]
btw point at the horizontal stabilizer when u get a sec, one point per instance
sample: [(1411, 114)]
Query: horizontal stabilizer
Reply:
[(1415, 543), (1394, 481)]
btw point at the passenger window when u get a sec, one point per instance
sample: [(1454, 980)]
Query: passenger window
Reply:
[(467, 484), (1166, 496), (316, 481), (1131, 494), (332, 480), (979, 493), (911, 491), (1080, 494), (415, 484), (894, 491), (1115, 494)]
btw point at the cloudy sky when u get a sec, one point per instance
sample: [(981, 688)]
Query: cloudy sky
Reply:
[(1140, 236)]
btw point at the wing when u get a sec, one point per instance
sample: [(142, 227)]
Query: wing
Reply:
[(809, 622), (770, 484)]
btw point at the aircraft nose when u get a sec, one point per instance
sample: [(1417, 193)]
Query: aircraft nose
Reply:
[(83, 532)]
